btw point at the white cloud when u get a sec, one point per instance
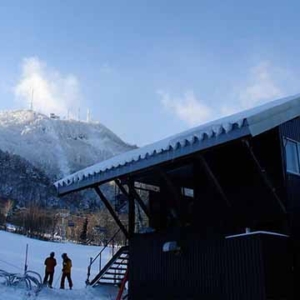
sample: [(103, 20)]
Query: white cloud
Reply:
[(261, 87), (50, 91), (187, 108)]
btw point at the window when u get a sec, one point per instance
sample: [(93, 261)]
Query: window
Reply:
[(187, 192), (292, 156)]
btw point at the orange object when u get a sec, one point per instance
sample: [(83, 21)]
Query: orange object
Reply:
[(121, 290)]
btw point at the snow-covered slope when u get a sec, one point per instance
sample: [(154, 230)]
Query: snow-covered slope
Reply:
[(12, 260), (58, 147)]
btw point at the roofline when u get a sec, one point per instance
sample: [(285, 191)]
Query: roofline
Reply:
[(154, 160), (251, 122), (274, 116)]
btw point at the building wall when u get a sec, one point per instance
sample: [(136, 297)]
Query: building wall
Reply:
[(210, 266), (226, 269), (291, 130)]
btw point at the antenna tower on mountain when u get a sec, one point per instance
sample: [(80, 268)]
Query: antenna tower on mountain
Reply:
[(88, 116), (31, 100)]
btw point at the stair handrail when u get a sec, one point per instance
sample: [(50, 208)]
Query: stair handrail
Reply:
[(100, 257)]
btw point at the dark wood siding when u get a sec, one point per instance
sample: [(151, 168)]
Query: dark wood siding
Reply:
[(227, 269), (291, 129)]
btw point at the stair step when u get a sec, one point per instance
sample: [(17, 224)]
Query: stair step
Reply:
[(117, 269), (115, 273), (117, 283), (112, 278), (121, 263), (123, 259), (104, 283)]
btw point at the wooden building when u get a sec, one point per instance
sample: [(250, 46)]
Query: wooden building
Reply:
[(222, 207)]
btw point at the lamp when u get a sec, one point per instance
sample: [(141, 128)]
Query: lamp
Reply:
[(170, 246)]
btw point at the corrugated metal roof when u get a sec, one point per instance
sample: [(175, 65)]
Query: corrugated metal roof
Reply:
[(250, 122)]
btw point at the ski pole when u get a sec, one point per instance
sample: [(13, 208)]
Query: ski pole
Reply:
[(26, 266), (57, 279)]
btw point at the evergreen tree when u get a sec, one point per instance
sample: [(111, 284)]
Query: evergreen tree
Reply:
[(83, 235)]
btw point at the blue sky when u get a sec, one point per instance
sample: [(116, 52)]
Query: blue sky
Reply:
[(147, 69)]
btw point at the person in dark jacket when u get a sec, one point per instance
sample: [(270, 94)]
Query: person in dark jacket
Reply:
[(66, 271), (50, 263)]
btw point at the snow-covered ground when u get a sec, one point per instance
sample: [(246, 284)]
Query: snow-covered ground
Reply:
[(12, 259)]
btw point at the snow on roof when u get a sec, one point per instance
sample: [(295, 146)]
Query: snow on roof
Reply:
[(255, 233), (249, 122)]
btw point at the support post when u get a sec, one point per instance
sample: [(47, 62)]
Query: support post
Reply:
[(170, 186), (136, 197), (110, 209), (131, 208), (263, 174), (213, 178)]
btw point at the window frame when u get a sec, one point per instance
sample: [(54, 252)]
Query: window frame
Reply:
[(286, 140)]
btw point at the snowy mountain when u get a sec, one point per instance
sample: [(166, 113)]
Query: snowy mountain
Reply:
[(37, 149), (58, 147)]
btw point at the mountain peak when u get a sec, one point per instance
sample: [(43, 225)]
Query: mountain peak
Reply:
[(57, 146)]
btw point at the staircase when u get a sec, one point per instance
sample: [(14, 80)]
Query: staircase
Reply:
[(114, 271)]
